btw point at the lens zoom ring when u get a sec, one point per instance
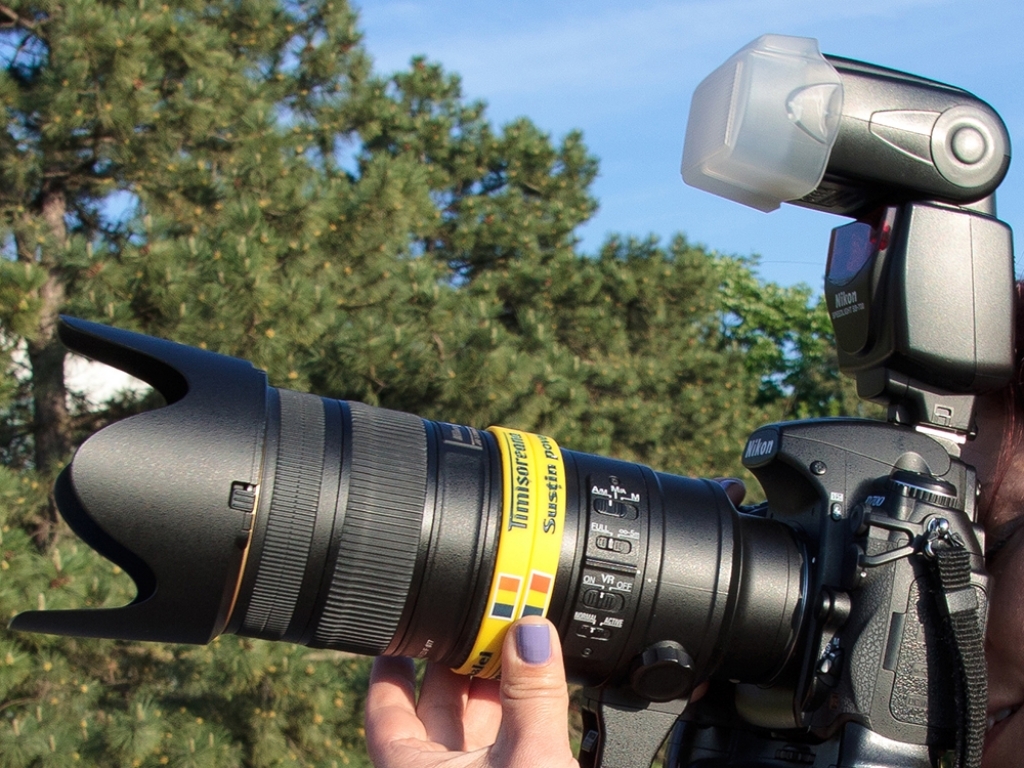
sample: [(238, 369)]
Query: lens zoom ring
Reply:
[(381, 531), (292, 515)]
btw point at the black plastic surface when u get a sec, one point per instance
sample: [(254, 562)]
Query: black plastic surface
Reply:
[(896, 143), (159, 485)]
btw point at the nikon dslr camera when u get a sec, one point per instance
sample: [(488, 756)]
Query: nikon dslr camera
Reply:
[(839, 624)]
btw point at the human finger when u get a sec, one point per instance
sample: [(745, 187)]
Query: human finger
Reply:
[(734, 489), (391, 720), (483, 713), (534, 699), (442, 705)]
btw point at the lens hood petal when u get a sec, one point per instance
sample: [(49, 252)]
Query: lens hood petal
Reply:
[(153, 492)]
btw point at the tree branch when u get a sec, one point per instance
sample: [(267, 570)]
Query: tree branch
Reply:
[(14, 20)]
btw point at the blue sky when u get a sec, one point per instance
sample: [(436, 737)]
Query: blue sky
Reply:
[(623, 73)]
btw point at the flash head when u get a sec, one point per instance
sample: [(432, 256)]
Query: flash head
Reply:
[(781, 122)]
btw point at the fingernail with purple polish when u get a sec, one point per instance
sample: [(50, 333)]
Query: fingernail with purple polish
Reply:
[(533, 643)]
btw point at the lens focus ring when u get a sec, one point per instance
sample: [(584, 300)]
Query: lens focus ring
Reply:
[(291, 517), (380, 532)]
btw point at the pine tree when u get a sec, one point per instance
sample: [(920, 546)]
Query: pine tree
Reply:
[(176, 168), (233, 175)]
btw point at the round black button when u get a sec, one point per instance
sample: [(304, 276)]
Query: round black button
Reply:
[(663, 672)]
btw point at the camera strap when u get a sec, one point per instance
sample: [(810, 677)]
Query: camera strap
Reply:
[(958, 601)]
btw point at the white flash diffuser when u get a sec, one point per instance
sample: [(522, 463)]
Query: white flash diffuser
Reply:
[(763, 124)]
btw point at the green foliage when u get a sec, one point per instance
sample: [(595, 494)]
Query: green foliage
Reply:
[(106, 703), (789, 344), (232, 175)]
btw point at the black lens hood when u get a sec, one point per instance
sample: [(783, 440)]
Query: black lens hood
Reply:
[(168, 494)]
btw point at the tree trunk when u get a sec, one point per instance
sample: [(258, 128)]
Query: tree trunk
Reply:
[(51, 426), (49, 396)]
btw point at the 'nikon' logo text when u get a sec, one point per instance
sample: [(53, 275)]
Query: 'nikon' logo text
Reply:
[(757, 448), (845, 299)]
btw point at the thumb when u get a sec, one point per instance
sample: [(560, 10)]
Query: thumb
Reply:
[(534, 729)]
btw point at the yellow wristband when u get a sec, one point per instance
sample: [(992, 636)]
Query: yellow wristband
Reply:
[(529, 543), (543, 459), (549, 474)]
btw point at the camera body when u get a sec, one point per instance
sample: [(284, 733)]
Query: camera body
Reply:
[(839, 624), (872, 671), (874, 677)]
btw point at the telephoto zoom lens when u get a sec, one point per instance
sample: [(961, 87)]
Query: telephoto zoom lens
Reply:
[(243, 508)]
